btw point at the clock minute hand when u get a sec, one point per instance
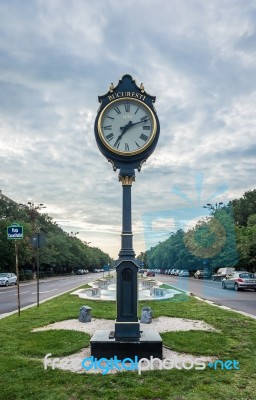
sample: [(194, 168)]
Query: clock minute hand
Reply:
[(126, 127), (130, 124), (123, 129)]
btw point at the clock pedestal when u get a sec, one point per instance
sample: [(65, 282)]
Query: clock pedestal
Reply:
[(127, 324), (127, 339)]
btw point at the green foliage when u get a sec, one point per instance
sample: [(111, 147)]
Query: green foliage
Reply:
[(22, 352), (226, 238), (62, 252)]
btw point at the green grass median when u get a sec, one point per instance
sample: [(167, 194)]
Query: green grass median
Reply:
[(22, 374)]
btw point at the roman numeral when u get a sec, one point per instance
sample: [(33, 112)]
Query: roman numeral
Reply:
[(109, 137), (146, 127), (127, 107), (117, 110), (109, 127), (107, 116), (144, 119), (117, 143), (144, 137), (126, 147)]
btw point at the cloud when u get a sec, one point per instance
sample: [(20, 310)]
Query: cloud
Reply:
[(56, 57)]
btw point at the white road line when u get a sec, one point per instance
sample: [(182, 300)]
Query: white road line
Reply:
[(24, 292), (46, 291)]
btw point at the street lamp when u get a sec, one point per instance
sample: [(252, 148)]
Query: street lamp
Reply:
[(73, 234), (214, 207), (33, 212)]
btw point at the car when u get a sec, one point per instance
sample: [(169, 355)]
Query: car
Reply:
[(8, 278), (80, 272), (201, 274), (184, 273), (239, 280), (223, 273), (150, 273), (141, 271)]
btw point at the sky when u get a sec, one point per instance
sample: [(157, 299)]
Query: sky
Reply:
[(197, 57)]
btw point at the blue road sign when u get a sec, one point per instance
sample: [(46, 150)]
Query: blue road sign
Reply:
[(106, 267), (15, 231)]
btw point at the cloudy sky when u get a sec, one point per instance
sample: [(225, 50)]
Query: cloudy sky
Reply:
[(197, 57)]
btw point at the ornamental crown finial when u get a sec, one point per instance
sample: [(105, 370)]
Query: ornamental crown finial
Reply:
[(111, 87), (142, 87)]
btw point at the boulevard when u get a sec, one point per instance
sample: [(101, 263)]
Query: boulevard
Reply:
[(244, 301), (207, 289), (48, 287)]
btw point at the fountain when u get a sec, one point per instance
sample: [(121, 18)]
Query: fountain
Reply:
[(105, 289)]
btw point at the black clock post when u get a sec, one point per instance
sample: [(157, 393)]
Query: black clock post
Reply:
[(126, 131), (127, 324)]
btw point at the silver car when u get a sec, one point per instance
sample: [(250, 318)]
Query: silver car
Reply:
[(240, 280), (7, 278)]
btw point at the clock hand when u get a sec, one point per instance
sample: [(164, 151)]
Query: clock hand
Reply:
[(123, 129), (130, 124), (126, 127)]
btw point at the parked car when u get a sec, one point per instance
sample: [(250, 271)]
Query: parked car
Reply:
[(79, 272), (82, 271), (184, 273), (222, 273), (239, 280), (141, 271), (202, 274), (8, 278), (151, 273)]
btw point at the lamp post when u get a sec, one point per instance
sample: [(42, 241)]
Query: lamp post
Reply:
[(73, 234), (33, 209), (214, 207)]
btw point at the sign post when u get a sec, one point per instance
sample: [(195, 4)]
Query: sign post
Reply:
[(15, 232), (37, 240)]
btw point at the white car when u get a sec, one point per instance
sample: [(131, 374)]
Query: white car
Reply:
[(240, 280), (184, 273), (7, 278)]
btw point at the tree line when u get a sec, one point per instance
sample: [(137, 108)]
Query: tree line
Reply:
[(226, 238), (62, 253)]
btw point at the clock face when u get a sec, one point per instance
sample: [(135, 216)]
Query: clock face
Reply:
[(127, 126)]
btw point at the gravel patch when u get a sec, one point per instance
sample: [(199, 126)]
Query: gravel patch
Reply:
[(161, 324), (171, 358)]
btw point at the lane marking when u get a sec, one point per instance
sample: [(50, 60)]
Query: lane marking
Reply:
[(46, 291)]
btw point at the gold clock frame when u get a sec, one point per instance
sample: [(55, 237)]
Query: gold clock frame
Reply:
[(127, 153)]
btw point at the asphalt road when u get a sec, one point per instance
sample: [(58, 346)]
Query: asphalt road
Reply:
[(211, 290), (47, 288)]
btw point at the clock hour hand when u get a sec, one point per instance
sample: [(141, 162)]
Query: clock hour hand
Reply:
[(126, 127), (130, 124)]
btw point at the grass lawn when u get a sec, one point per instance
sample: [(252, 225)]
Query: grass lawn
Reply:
[(22, 375)]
